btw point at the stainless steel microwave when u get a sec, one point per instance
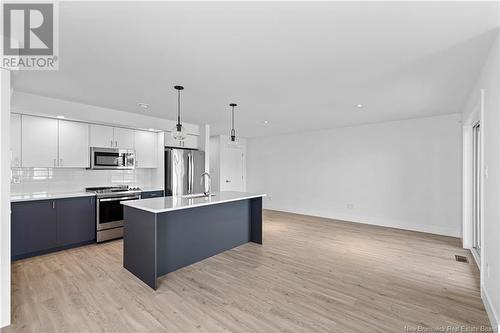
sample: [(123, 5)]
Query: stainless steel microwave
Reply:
[(111, 158)]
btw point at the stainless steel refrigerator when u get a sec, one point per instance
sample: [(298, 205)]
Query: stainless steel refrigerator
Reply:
[(183, 170)]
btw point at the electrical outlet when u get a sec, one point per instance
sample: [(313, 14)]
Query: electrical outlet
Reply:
[(350, 206)]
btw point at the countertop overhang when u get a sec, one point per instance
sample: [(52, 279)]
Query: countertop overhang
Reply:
[(167, 204), (48, 196)]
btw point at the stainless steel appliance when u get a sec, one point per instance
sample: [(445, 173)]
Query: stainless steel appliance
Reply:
[(183, 171), (109, 210), (111, 158)]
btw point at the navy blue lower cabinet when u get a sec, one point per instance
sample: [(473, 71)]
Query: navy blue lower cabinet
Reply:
[(43, 226), (33, 227), (75, 220), (151, 194)]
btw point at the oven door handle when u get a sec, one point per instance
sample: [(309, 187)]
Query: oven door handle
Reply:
[(118, 199)]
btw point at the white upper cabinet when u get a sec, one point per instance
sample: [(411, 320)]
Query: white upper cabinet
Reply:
[(15, 139), (191, 141), (111, 137), (39, 142), (124, 138), (73, 144), (101, 136), (146, 154)]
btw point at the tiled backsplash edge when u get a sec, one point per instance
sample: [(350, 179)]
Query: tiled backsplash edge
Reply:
[(54, 180)]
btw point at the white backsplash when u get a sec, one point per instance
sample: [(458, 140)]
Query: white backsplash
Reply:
[(54, 180)]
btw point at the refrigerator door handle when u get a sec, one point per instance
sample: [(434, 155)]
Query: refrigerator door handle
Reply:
[(192, 172), (189, 173)]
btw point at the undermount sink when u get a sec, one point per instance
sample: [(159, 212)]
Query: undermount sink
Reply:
[(197, 195)]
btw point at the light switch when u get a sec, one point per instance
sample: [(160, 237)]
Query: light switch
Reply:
[(486, 172)]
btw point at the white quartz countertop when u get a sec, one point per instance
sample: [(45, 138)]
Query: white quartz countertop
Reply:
[(166, 204), (48, 196), (62, 195)]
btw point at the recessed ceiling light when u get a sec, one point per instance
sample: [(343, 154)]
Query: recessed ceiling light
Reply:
[(266, 122), (60, 117), (151, 129), (359, 106), (143, 106)]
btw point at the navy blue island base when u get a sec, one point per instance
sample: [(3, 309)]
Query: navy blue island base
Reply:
[(155, 244)]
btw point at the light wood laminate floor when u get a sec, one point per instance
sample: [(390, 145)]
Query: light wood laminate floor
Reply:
[(311, 275)]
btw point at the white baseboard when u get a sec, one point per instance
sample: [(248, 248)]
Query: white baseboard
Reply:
[(495, 323), (432, 229)]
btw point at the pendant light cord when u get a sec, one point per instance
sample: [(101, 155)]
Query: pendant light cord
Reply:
[(178, 107), (232, 122)]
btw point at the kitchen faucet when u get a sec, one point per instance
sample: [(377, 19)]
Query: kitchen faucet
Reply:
[(205, 190)]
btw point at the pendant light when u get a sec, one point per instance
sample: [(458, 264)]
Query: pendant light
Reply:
[(233, 131), (179, 132)]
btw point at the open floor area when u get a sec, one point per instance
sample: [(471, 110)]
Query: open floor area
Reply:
[(310, 275)]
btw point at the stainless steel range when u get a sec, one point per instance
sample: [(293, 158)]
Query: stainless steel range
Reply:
[(109, 210)]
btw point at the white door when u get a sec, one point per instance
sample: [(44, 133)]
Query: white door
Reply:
[(101, 136), (39, 142), (73, 144), (232, 169), (145, 149), (15, 139), (124, 138)]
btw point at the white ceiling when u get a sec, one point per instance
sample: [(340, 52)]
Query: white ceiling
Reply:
[(298, 65)]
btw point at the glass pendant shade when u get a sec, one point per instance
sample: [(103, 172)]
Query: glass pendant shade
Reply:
[(179, 132)]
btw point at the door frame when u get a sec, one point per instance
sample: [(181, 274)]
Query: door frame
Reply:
[(467, 180), (5, 230)]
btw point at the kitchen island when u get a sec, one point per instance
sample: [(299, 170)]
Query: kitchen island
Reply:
[(164, 234)]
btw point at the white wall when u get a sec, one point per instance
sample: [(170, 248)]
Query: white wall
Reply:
[(215, 162), (404, 174), (490, 122), (4, 197)]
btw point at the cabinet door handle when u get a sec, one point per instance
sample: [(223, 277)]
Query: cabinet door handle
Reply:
[(116, 143), (228, 181), (111, 143), (53, 204), (60, 162)]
